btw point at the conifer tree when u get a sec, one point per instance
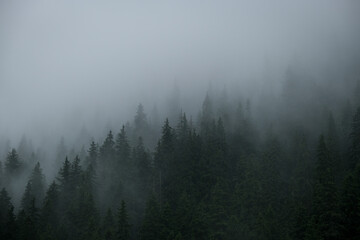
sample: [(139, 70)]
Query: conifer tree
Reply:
[(164, 158), (325, 217), (143, 165), (122, 146), (152, 225), (206, 115), (92, 154), (27, 198), (75, 172), (5, 207), (50, 214), (107, 149), (123, 227), (350, 206), (1, 175), (37, 180), (355, 140), (10, 226), (140, 119), (12, 164), (108, 226)]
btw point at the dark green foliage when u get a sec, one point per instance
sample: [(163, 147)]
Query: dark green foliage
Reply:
[(28, 223), (37, 181), (123, 227), (350, 206), (65, 185), (224, 179), (355, 140), (27, 198), (163, 159), (122, 146), (1, 175), (12, 164), (50, 213), (93, 154), (143, 164), (108, 226), (140, 119), (152, 227), (6, 209), (325, 217), (64, 176), (107, 150), (218, 214), (10, 225)]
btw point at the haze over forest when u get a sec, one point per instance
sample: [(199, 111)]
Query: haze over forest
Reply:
[(255, 85)]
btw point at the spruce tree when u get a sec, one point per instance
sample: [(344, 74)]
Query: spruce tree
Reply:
[(355, 141), (107, 150), (50, 214), (123, 226), (122, 146), (350, 206), (5, 208), (140, 120), (152, 225), (325, 216), (27, 197), (12, 164), (92, 154), (144, 168), (10, 226), (164, 159), (37, 180), (108, 226)]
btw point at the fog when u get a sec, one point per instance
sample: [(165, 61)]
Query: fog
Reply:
[(64, 64), (71, 71), (68, 67)]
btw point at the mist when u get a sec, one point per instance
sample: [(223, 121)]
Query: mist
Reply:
[(66, 64), (70, 72)]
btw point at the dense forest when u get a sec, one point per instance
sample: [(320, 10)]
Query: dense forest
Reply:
[(231, 173), (180, 120)]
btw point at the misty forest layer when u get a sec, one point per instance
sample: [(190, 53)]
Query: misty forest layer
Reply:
[(229, 174)]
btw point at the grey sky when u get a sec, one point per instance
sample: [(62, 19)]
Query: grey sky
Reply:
[(84, 62)]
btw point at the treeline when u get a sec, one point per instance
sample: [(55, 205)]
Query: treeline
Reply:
[(222, 177)]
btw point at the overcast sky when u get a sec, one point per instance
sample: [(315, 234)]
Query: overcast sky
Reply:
[(82, 62)]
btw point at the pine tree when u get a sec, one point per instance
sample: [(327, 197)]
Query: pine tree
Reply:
[(140, 120), (107, 149), (325, 217), (108, 226), (206, 115), (5, 207), (49, 215), (75, 172), (123, 227), (152, 225), (218, 213), (122, 146), (27, 198), (1, 175), (37, 180), (12, 164), (64, 175), (143, 164), (10, 226), (350, 206), (28, 223), (355, 140), (164, 158), (66, 188), (93, 154)]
